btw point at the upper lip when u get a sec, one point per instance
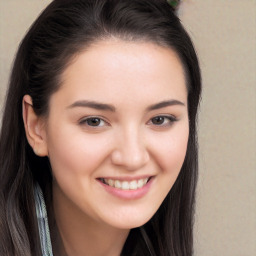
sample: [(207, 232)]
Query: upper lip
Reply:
[(127, 178)]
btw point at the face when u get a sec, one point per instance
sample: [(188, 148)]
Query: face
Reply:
[(117, 131)]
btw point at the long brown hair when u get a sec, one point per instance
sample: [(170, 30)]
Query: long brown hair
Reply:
[(65, 28)]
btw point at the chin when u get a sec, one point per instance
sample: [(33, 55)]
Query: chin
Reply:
[(130, 221)]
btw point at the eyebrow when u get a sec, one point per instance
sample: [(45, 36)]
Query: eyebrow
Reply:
[(93, 104), (164, 104), (108, 107)]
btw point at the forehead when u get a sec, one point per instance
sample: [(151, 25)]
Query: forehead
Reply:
[(112, 69)]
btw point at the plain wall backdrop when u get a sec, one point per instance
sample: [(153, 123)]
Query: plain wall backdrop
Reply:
[(224, 33)]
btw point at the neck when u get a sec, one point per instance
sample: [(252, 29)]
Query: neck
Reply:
[(81, 235)]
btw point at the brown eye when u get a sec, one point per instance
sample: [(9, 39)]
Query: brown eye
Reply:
[(93, 121), (163, 120), (158, 120)]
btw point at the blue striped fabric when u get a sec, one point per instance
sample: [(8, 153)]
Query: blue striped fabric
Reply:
[(42, 220)]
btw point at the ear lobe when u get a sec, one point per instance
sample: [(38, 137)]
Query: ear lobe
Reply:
[(34, 127)]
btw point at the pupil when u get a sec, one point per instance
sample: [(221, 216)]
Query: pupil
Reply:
[(94, 121), (158, 120)]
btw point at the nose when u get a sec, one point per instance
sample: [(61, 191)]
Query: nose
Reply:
[(131, 151)]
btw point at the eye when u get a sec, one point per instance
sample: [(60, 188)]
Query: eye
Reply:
[(163, 120), (93, 122)]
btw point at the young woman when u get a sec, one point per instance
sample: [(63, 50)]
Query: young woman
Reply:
[(98, 152)]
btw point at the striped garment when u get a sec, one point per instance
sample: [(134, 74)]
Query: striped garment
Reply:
[(42, 220)]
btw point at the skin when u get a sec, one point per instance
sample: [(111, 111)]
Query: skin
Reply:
[(126, 143)]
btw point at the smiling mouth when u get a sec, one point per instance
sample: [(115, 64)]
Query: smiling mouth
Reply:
[(125, 185)]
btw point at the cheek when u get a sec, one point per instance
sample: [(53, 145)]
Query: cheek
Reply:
[(170, 150), (77, 153), (175, 151)]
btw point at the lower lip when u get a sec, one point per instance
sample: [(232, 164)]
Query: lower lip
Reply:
[(128, 194)]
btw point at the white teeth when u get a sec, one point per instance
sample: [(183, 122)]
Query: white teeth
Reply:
[(117, 184), (140, 183), (133, 184), (111, 183), (126, 185)]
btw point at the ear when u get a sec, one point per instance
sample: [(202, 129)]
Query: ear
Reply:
[(34, 127)]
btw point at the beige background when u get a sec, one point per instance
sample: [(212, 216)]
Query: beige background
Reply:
[(224, 33)]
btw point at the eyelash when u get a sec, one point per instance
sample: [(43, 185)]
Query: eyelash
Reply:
[(88, 119), (168, 121)]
